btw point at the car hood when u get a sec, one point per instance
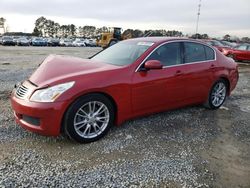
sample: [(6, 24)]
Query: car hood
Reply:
[(55, 68)]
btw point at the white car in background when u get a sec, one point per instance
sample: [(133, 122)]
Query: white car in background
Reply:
[(66, 42), (90, 42), (79, 43), (23, 41)]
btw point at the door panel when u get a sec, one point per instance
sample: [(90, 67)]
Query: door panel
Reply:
[(199, 79), (156, 90), (200, 65), (177, 84)]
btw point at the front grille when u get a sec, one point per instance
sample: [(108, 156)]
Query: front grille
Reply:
[(22, 91)]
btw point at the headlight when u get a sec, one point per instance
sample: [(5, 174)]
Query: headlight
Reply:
[(50, 94)]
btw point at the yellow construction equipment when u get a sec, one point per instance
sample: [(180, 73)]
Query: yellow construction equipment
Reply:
[(111, 37)]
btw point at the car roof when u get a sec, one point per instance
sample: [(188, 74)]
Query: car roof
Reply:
[(161, 39)]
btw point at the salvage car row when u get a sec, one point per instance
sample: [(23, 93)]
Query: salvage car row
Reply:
[(40, 41)]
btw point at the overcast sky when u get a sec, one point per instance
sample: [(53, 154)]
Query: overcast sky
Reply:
[(218, 17)]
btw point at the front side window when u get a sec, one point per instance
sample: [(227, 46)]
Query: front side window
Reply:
[(168, 54), (194, 52)]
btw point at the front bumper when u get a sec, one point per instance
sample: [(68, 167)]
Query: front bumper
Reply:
[(42, 118)]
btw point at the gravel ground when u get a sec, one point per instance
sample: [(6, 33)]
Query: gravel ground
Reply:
[(188, 147)]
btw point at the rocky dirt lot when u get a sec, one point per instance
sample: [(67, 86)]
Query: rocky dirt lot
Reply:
[(188, 147)]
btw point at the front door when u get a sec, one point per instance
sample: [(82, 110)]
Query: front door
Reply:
[(156, 90)]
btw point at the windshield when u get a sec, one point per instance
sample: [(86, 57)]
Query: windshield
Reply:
[(123, 53)]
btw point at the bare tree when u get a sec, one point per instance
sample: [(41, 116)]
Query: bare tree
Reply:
[(2, 23)]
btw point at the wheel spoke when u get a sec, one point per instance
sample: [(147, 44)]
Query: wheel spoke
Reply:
[(214, 100), (218, 101), (81, 115), (86, 129), (99, 109), (219, 87), (93, 107), (81, 126), (222, 90), (89, 130), (90, 108), (96, 125), (102, 119), (81, 122), (85, 113)]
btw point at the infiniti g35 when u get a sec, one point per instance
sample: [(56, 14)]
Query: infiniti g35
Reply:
[(83, 98)]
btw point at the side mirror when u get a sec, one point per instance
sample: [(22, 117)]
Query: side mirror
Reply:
[(153, 64)]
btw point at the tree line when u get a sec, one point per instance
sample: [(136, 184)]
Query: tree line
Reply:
[(48, 28)]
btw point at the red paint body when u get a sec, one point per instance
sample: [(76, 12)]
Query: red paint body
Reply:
[(134, 93), (239, 55)]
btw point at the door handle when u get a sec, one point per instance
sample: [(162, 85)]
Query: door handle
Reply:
[(178, 73), (212, 66)]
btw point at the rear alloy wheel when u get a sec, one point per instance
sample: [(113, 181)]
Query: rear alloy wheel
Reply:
[(217, 95), (89, 118)]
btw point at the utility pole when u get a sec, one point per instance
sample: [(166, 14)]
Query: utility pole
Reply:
[(2, 24), (198, 18)]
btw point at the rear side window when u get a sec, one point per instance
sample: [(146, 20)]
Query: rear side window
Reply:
[(168, 54), (194, 52), (209, 53)]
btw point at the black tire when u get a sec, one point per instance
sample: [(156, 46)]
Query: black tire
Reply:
[(209, 103), (69, 118)]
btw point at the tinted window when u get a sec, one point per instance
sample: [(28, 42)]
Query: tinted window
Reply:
[(194, 52), (209, 53), (168, 54)]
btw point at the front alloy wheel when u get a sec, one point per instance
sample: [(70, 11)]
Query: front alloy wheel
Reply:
[(89, 118)]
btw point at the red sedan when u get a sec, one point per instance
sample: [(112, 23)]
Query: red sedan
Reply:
[(85, 97), (239, 53)]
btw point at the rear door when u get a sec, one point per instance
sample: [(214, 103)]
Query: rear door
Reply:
[(200, 65)]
